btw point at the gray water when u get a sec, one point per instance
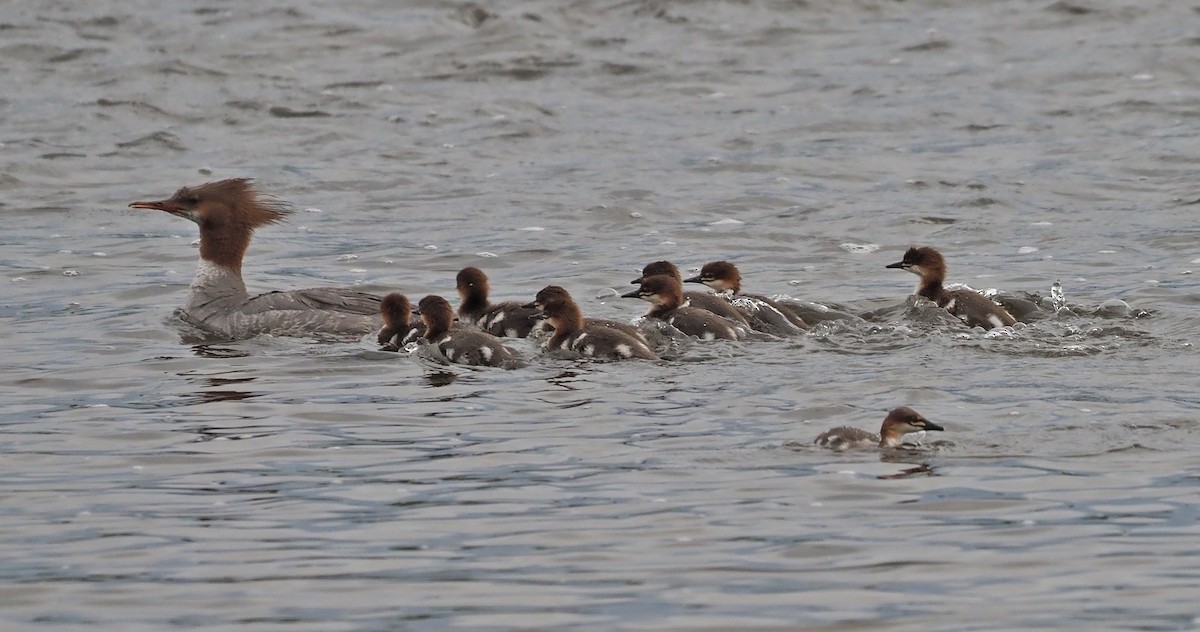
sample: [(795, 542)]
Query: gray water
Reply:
[(288, 484)]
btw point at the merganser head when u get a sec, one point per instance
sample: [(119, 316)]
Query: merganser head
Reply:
[(719, 275), (471, 281), (924, 262), (227, 212), (436, 314), (900, 422), (234, 201), (558, 306), (396, 309), (549, 298), (656, 268), (660, 290)]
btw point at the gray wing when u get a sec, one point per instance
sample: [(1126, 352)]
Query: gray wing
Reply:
[(321, 298)]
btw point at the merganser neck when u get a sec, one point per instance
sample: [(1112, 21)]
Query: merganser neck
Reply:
[(214, 281), (930, 286)]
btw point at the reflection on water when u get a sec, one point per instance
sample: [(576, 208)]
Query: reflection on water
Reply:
[(440, 378)]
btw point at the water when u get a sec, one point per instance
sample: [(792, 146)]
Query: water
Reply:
[(291, 484)]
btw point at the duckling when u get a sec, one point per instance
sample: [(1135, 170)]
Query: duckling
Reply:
[(714, 303), (397, 331), (499, 319), (666, 295), (769, 315), (972, 307), (898, 423), (573, 333), (460, 345)]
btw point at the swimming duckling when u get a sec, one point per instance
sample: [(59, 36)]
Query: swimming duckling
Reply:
[(397, 330), (768, 315), (499, 319), (974, 308), (460, 345), (714, 303), (573, 333), (666, 295), (898, 423)]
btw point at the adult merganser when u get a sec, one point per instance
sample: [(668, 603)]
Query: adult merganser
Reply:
[(227, 212), (974, 308), (461, 345), (898, 423), (666, 295), (573, 333), (397, 330), (768, 315), (714, 303), (509, 318)]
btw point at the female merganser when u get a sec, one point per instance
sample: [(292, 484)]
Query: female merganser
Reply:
[(666, 295), (397, 330), (461, 345), (898, 423), (723, 276), (971, 306), (702, 300), (509, 318), (572, 333), (227, 212)]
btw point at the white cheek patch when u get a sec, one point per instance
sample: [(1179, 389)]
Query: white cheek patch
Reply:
[(486, 352), (589, 350), (708, 335), (511, 333), (995, 320), (624, 351)]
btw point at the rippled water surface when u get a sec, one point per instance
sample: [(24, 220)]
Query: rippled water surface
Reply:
[(292, 484)]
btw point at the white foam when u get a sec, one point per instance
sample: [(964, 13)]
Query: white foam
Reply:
[(859, 249)]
